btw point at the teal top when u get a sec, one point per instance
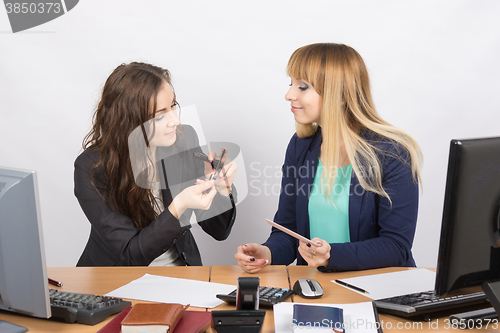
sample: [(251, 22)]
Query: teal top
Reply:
[(329, 217)]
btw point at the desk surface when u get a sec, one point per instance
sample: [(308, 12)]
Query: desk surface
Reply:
[(101, 280)]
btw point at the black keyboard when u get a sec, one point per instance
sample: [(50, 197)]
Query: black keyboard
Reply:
[(426, 302), (268, 296), (84, 308)]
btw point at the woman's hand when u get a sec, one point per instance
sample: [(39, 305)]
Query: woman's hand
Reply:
[(253, 257), (226, 175), (225, 178), (315, 255), (194, 197)]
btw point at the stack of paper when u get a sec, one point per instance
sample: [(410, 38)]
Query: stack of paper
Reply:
[(172, 290), (386, 285)]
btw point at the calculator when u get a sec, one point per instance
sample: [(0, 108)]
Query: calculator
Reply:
[(268, 296)]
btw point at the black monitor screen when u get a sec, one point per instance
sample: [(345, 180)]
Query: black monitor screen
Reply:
[(468, 252)]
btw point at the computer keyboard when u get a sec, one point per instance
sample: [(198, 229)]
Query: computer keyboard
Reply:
[(84, 308), (426, 302), (268, 296)]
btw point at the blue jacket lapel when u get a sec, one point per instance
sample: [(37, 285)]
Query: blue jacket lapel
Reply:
[(307, 171), (355, 202)]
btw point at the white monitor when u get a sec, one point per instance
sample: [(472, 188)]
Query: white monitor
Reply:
[(23, 274)]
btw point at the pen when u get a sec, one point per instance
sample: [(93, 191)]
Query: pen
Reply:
[(204, 158), (219, 166), (55, 283), (351, 286)]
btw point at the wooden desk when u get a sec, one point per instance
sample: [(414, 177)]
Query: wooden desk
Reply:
[(101, 280), (336, 294), (98, 281)]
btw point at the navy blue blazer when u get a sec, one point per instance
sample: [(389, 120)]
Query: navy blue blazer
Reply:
[(381, 233)]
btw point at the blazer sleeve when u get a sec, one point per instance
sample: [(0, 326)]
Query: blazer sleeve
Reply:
[(118, 237), (219, 226), (283, 246), (389, 242)]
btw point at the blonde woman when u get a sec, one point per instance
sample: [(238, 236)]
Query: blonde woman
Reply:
[(350, 179)]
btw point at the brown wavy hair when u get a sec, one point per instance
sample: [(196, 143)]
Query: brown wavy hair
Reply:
[(128, 100)]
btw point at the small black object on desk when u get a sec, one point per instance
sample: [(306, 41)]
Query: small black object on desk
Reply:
[(246, 318)]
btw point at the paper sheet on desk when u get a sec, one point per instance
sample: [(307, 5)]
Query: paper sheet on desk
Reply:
[(358, 317), (163, 289), (394, 284)]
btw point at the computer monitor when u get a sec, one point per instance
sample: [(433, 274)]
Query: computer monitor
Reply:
[(23, 275), (469, 252)]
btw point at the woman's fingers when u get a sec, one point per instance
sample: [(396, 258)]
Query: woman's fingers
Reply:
[(200, 196), (248, 257), (229, 171), (314, 254), (204, 185)]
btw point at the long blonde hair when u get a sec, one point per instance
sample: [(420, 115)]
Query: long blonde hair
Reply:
[(338, 73)]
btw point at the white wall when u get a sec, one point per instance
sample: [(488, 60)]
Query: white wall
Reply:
[(433, 65)]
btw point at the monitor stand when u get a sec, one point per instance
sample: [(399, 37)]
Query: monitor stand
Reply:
[(482, 314), (492, 291), (6, 327)]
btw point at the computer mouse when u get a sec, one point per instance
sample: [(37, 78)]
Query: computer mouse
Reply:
[(308, 288)]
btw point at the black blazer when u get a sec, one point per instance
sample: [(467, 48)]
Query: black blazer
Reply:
[(115, 241)]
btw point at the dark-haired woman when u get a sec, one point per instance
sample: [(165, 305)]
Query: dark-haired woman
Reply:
[(138, 182)]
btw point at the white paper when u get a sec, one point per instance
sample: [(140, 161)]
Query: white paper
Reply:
[(358, 317), (163, 289), (393, 284)]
